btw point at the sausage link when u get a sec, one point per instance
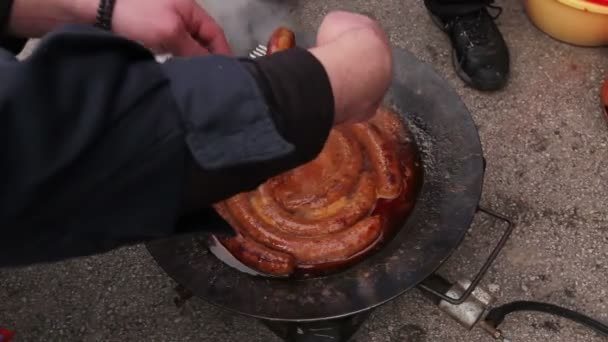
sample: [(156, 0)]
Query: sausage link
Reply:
[(337, 216), (390, 125), (260, 257), (253, 254), (281, 39), (384, 159), (328, 178), (319, 213), (308, 250)]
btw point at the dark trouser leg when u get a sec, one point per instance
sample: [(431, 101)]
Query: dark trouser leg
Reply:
[(448, 8)]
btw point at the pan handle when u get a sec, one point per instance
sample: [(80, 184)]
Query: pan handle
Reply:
[(501, 243)]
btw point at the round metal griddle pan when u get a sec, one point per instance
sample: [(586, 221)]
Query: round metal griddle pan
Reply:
[(452, 159)]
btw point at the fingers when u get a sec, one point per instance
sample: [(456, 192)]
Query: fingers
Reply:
[(207, 32), (186, 46)]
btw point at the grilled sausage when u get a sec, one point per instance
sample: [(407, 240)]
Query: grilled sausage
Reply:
[(325, 180), (310, 250), (383, 158), (260, 257), (331, 209), (281, 39), (253, 254), (335, 217), (390, 125)]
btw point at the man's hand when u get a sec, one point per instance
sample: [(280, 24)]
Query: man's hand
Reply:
[(357, 57), (179, 27)]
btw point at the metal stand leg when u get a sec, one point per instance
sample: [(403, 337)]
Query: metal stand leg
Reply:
[(337, 330), (467, 292)]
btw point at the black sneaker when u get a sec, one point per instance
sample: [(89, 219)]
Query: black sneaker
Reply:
[(479, 52)]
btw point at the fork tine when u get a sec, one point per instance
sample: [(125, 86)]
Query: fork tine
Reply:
[(259, 51)]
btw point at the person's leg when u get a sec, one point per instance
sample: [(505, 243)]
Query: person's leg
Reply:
[(447, 8), (479, 53)]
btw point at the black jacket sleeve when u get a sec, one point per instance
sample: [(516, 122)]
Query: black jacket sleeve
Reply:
[(104, 147), (12, 44)]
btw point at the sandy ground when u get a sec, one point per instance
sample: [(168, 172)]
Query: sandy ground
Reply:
[(545, 141)]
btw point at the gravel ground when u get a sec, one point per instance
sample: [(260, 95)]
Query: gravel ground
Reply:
[(545, 141)]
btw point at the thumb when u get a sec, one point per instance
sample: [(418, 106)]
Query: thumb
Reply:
[(186, 46)]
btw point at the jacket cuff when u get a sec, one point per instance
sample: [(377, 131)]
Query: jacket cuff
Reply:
[(299, 91), (12, 44)]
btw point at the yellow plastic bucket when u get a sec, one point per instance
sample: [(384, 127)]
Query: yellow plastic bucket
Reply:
[(578, 22)]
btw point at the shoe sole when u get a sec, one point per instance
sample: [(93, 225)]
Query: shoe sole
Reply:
[(458, 68)]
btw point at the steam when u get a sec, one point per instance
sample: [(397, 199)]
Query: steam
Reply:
[(248, 23)]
